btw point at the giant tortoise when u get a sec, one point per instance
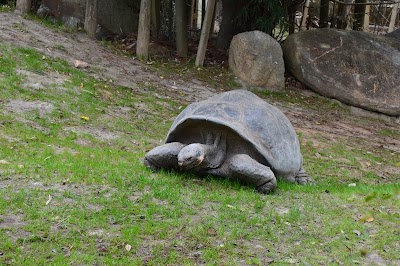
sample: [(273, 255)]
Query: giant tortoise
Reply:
[(236, 135)]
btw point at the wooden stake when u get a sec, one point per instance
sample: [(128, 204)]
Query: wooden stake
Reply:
[(205, 31), (393, 17)]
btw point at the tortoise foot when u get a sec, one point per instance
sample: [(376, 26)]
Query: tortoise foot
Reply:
[(164, 156), (303, 178), (250, 171), (266, 188)]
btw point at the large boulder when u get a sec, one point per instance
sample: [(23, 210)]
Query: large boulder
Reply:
[(357, 68), (256, 59), (394, 34)]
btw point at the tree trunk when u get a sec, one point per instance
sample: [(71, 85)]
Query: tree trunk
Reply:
[(292, 19), (24, 6), (155, 17), (170, 18), (191, 14), (91, 17), (181, 28), (203, 11), (143, 40), (324, 14), (359, 15), (344, 15), (213, 19), (305, 15), (205, 31), (393, 17), (227, 28)]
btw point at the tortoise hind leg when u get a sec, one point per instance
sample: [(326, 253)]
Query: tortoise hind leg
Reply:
[(303, 178), (246, 169), (164, 156)]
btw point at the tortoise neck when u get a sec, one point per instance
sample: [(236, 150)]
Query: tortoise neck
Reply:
[(215, 156)]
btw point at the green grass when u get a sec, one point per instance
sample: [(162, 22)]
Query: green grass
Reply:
[(8, 7), (75, 192)]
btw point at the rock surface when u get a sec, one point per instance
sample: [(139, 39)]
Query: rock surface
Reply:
[(394, 34), (256, 59), (357, 68)]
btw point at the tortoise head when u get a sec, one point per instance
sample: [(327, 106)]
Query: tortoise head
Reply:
[(191, 156)]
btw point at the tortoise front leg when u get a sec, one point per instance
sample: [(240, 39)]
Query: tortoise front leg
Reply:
[(164, 156), (250, 171)]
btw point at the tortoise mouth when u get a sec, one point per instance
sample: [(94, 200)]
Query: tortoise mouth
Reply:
[(190, 164)]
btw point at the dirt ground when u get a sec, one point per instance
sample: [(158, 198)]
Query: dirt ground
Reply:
[(106, 64)]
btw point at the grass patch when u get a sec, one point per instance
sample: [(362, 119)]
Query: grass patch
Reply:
[(74, 190)]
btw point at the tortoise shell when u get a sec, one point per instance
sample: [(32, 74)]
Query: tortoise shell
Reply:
[(263, 126)]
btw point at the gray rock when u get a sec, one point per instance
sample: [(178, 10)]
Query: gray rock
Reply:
[(102, 33), (72, 22), (43, 11), (365, 113), (256, 59), (394, 34), (357, 68)]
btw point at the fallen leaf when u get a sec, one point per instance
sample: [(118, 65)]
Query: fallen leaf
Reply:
[(86, 118), (352, 184), (103, 248), (4, 162), (128, 247), (211, 232), (49, 200), (80, 64), (370, 219), (291, 260)]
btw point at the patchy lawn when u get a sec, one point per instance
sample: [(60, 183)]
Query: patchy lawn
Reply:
[(74, 190)]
